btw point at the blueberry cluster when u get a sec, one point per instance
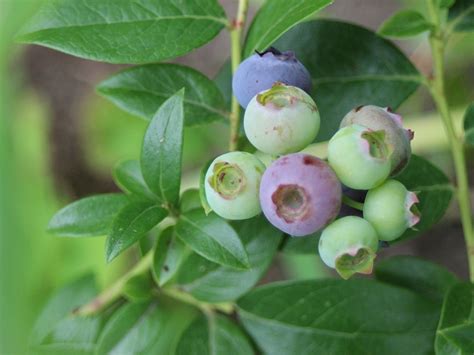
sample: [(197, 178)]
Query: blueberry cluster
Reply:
[(299, 193)]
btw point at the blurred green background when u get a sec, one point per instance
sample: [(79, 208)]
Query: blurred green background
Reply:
[(33, 263)]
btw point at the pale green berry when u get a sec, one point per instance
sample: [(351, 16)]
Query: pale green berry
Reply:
[(349, 245), (232, 183), (360, 157), (281, 120), (391, 209)]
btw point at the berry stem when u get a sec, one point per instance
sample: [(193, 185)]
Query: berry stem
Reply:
[(352, 203), (236, 32), (437, 90)]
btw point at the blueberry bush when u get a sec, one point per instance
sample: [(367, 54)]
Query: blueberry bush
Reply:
[(297, 82)]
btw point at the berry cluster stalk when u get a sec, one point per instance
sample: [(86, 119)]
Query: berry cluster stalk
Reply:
[(236, 31), (438, 38)]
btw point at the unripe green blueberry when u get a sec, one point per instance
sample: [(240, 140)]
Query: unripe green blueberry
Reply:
[(378, 119), (359, 156), (391, 209), (349, 245), (281, 120), (232, 183)]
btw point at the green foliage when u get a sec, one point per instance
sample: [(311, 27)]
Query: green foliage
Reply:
[(132, 223), (210, 282), (213, 238), (442, 4), (354, 63), (123, 31), (141, 89), (405, 23), (128, 177), (456, 326), (338, 317), (469, 125), (433, 190), (275, 18), (420, 276), (213, 335), (461, 16), (88, 217), (162, 150)]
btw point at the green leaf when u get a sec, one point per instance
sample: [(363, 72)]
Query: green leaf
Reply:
[(444, 4), (301, 245), (275, 18), (139, 288), (469, 125), (461, 16), (124, 31), (190, 200), (163, 149), (405, 23), (60, 307), (169, 254), (88, 217), (145, 328), (338, 317), (433, 190), (213, 238), (455, 334), (211, 282), (140, 90), (202, 187), (350, 66), (418, 275), (131, 224), (214, 335), (128, 176)]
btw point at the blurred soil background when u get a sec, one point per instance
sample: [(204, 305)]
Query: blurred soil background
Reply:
[(59, 141)]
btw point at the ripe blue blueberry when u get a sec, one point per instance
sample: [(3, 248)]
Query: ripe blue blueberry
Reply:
[(260, 71), (359, 156), (232, 183), (349, 245), (281, 120), (378, 119), (391, 209), (300, 194)]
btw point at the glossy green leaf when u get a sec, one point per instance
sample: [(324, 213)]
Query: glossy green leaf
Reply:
[(55, 323), (124, 31), (214, 335), (350, 66), (139, 288), (129, 178), (202, 187), (190, 200), (211, 282), (469, 125), (145, 328), (405, 23), (461, 16), (213, 238), (163, 149), (433, 190), (455, 334), (421, 276), (301, 245), (338, 317), (168, 256), (141, 90), (131, 224), (275, 18), (88, 217), (444, 4)]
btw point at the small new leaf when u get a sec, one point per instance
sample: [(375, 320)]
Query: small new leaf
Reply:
[(131, 224), (129, 178), (469, 125), (163, 149), (405, 23)]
